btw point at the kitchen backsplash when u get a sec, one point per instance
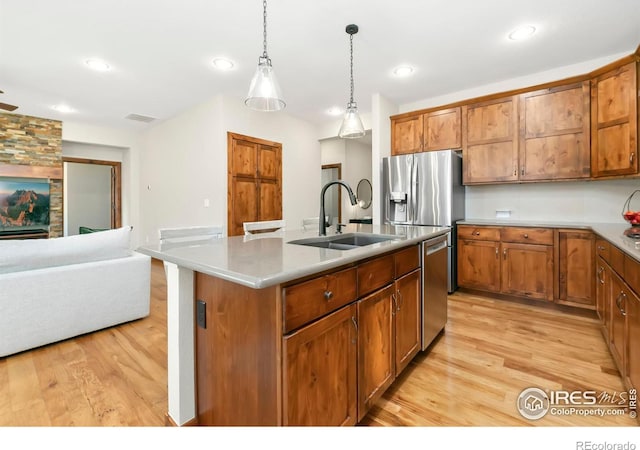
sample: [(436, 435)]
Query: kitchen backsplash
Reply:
[(581, 201)]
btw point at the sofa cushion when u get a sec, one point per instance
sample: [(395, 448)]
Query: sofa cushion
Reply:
[(28, 254)]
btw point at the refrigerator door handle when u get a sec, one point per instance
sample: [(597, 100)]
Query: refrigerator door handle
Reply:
[(414, 191)]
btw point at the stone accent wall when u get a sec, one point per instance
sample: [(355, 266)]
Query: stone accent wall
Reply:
[(34, 141)]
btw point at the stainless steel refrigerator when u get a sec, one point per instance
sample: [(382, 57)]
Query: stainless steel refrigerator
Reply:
[(426, 189)]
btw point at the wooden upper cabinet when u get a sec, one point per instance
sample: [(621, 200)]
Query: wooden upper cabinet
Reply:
[(406, 135), (490, 141), (614, 122), (554, 133), (442, 130)]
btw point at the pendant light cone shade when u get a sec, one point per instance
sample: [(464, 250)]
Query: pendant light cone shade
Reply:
[(351, 127), (264, 91)]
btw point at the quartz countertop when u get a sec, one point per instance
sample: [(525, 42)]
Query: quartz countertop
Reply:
[(263, 260), (612, 232)]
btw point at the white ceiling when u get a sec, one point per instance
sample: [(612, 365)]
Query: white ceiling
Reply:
[(161, 50)]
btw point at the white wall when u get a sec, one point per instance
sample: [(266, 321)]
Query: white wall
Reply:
[(382, 109), (87, 190), (184, 163), (355, 159), (593, 201), (105, 143)]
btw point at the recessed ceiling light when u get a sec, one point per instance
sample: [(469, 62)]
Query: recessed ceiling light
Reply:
[(63, 108), (223, 64), (335, 111), (522, 32), (97, 64), (403, 71)]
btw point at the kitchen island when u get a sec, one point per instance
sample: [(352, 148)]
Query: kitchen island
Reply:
[(279, 323)]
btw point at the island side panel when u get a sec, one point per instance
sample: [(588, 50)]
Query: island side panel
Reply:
[(238, 354)]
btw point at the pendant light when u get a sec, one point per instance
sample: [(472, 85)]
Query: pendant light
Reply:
[(264, 91), (351, 127)]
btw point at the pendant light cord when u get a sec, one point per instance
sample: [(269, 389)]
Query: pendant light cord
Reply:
[(264, 29), (351, 67)]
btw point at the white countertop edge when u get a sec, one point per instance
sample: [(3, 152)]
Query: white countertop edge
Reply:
[(343, 257)]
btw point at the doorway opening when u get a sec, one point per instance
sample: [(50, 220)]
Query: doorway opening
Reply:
[(333, 196), (92, 195)]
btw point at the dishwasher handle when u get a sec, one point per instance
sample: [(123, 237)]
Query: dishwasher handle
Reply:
[(431, 249)]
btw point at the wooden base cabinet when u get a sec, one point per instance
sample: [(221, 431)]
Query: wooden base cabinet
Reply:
[(510, 260), (376, 369), (479, 265), (407, 319), (576, 261), (527, 270), (319, 379), (633, 340), (603, 296), (620, 295)]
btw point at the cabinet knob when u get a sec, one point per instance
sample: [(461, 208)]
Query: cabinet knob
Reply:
[(600, 247), (526, 236), (477, 233), (328, 295)]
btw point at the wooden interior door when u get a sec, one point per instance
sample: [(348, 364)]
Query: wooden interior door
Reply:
[(254, 181)]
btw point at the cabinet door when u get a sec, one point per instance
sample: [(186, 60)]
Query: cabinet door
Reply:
[(614, 122), (490, 141), (243, 158), (442, 130), (375, 347), (244, 204), (406, 135), (633, 341), (617, 335), (269, 162), (479, 265), (407, 317), (555, 133), (576, 257), (527, 270), (603, 292), (270, 198), (319, 372)]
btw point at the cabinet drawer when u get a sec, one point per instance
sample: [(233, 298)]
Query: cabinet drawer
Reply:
[(306, 301), (406, 260), (603, 249), (616, 260), (543, 236), (479, 233), (374, 274)]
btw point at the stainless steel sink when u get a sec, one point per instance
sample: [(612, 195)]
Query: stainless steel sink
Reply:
[(344, 241)]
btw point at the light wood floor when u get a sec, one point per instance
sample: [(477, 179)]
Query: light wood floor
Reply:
[(491, 350)]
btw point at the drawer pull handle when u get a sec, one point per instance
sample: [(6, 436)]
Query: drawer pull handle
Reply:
[(618, 303), (600, 247), (328, 295)]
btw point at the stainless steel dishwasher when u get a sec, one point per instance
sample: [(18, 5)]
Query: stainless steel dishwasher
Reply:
[(434, 288)]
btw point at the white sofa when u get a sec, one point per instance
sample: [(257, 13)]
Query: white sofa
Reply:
[(54, 289)]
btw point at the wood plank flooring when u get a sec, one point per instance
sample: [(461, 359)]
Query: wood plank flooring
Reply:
[(471, 376)]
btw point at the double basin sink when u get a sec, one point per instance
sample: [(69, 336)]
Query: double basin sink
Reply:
[(346, 241)]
